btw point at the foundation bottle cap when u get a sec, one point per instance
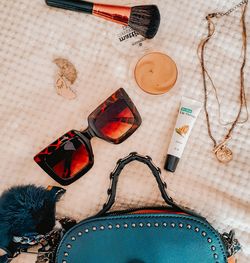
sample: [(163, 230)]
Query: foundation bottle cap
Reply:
[(171, 163)]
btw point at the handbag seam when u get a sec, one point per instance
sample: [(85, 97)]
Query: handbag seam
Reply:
[(208, 225)]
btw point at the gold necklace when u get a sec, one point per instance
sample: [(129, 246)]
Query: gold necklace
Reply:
[(221, 150)]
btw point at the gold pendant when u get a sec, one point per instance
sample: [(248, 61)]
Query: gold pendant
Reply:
[(223, 154)]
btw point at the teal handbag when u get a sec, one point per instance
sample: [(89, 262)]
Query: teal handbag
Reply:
[(170, 234)]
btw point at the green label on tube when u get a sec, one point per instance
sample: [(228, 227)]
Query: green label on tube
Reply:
[(186, 110)]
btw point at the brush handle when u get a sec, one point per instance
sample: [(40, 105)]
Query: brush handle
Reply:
[(114, 13), (74, 5)]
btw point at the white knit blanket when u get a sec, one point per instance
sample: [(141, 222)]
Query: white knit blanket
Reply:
[(32, 115)]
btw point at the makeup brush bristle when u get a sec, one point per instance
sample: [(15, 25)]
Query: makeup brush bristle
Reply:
[(145, 19)]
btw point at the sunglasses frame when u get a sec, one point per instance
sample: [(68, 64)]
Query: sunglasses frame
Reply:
[(119, 94), (86, 135)]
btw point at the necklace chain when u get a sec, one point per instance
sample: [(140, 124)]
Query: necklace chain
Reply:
[(231, 10), (205, 74)]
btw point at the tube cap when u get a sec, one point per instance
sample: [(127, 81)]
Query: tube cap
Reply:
[(171, 163)]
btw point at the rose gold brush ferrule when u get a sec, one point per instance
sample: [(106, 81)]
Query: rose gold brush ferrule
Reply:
[(117, 14)]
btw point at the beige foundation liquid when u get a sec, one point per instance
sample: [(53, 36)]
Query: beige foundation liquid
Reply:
[(156, 73)]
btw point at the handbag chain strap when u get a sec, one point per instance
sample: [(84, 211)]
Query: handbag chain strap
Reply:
[(114, 176), (232, 244)]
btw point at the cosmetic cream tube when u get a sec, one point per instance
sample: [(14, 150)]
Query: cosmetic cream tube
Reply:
[(188, 113)]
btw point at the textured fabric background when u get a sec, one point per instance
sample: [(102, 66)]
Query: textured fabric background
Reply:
[(32, 115)]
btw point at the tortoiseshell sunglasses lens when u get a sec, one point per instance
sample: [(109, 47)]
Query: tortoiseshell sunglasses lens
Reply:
[(66, 157), (116, 119)]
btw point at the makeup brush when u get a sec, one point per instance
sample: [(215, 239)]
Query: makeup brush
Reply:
[(145, 19)]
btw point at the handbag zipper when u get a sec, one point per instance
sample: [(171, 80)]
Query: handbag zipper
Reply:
[(145, 210)]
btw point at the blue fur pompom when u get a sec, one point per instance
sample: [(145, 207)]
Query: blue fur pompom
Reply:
[(25, 210)]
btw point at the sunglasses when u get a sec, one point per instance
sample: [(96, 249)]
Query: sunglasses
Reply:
[(71, 156)]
